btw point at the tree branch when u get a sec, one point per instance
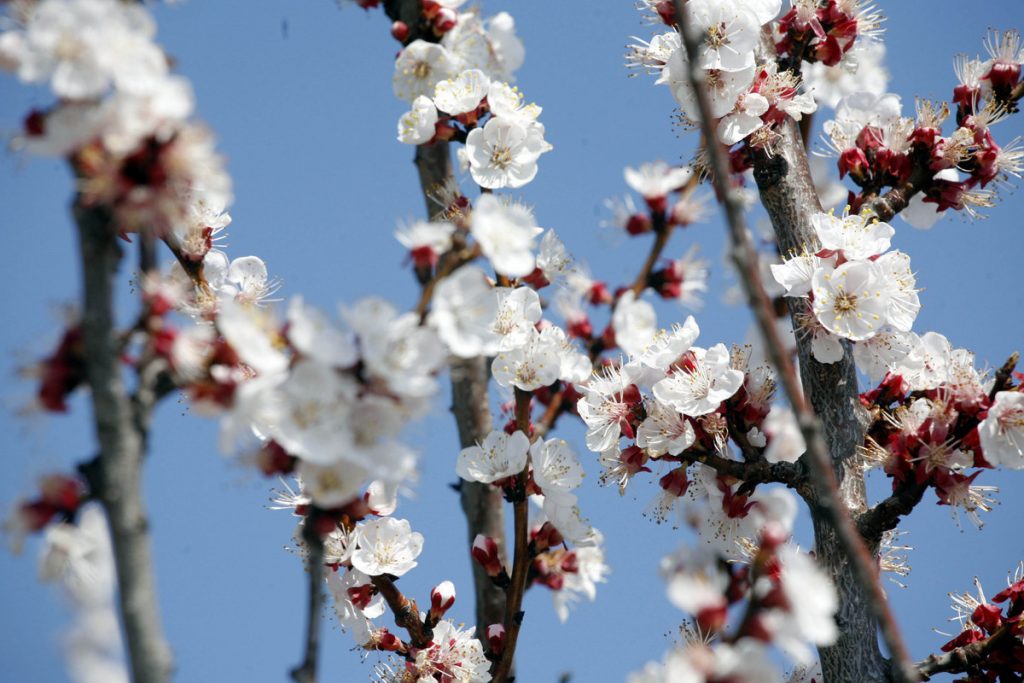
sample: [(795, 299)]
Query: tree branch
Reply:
[(792, 475), (885, 515), (115, 479), (787, 206), (306, 672), (407, 615), (964, 657)]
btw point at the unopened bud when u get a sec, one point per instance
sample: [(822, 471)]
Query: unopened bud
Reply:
[(496, 638), (445, 20), (638, 224), (712, 619), (400, 31), (385, 640), (61, 491), (430, 8), (441, 600), (546, 537), (485, 552)]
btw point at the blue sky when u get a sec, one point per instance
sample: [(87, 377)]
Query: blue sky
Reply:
[(299, 95)]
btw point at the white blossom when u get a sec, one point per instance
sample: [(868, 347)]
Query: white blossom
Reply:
[(699, 387), (386, 546), (786, 442), (506, 233), (856, 235), (1002, 431), (454, 654), (463, 93), (504, 153), (852, 300), (500, 455), (464, 311), (635, 323), (556, 469), (533, 365), (419, 68), (664, 430), (417, 126), (313, 335)]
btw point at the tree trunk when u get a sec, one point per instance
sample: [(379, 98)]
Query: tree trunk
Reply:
[(788, 195)]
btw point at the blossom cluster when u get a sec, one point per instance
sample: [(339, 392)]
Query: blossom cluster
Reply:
[(878, 147), (825, 32), (363, 546), (454, 42), (747, 99), (122, 118), (501, 151), (934, 418), (995, 624), (858, 291), (783, 596)]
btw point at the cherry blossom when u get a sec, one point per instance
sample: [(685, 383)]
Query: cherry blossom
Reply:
[(556, 470), (463, 93), (504, 153), (730, 31), (500, 455), (1002, 431), (699, 384), (454, 654), (857, 236), (464, 312), (419, 68), (852, 300), (506, 233), (533, 365), (386, 546), (417, 126), (635, 323)]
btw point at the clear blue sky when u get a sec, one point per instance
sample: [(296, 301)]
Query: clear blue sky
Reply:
[(299, 95)]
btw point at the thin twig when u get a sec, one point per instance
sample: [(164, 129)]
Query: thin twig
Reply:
[(407, 615), (306, 672), (115, 477), (817, 456), (521, 561), (964, 657)]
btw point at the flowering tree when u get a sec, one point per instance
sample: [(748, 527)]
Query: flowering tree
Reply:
[(722, 429)]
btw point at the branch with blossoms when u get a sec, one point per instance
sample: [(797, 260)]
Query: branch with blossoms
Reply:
[(754, 97)]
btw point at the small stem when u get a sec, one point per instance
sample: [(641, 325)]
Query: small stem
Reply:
[(407, 615), (306, 672), (521, 563)]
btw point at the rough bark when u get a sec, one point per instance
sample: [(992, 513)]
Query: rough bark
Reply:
[(115, 476), (788, 195), (481, 503)]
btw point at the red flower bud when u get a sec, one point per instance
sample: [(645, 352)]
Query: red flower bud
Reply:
[(441, 599), (400, 31)]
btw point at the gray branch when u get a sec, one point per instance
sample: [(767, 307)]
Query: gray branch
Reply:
[(832, 432), (115, 476)]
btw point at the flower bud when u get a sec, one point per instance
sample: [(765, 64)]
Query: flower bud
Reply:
[(445, 20), (485, 552), (400, 31), (496, 638), (441, 600), (638, 224), (382, 639), (547, 536), (61, 491)]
